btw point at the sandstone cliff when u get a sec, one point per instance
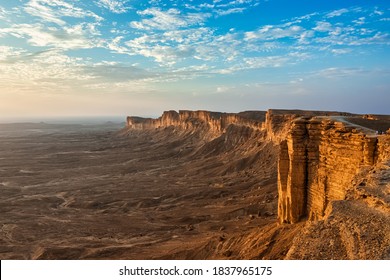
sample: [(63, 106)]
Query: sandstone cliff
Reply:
[(335, 174), (187, 120), (318, 161)]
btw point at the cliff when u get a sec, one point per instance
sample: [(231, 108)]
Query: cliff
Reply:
[(317, 163), (319, 152), (189, 120), (335, 174)]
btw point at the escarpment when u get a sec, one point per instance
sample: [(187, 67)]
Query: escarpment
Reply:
[(212, 121), (320, 152), (332, 171)]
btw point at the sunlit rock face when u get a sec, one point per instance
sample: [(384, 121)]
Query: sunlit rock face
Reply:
[(317, 163), (214, 122)]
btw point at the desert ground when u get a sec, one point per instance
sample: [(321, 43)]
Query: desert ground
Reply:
[(92, 192)]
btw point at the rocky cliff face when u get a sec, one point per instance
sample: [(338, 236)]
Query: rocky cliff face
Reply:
[(188, 120), (318, 161)]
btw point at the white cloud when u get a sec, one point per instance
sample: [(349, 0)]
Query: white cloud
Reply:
[(115, 6), (207, 5), (305, 37), (270, 32), (348, 36), (235, 3), (7, 53), (3, 13), (187, 36), (53, 71), (329, 30), (79, 36), (250, 63), (54, 10), (266, 62), (336, 13), (298, 56), (174, 46), (224, 8), (378, 38), (377, 12), (299, 19), (360, 21), (323, 26), (163, 54), (229, 11), (115, 45), (341, 51), (193, 69), (42, 68), (192, 45), (168, 20)]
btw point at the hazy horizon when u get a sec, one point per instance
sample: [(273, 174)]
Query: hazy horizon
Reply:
[(69, 58), (117, 118), (64, 119)]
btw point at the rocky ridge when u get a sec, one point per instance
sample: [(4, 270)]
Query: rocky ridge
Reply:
[(214, 122)]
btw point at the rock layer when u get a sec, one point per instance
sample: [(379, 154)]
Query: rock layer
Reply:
[(212, 121)]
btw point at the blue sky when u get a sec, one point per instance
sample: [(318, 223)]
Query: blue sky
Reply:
[(130, 57)]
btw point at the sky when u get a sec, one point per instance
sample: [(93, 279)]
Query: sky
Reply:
[(63, 58)]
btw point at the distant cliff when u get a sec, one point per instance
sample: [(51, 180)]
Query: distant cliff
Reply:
[(187, 120)]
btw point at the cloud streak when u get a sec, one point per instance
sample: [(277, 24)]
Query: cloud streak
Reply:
[(54, 10), (115, 6), (171, 19), (79, 36)]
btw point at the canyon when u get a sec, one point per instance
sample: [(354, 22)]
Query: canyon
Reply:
[(276, 184)]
